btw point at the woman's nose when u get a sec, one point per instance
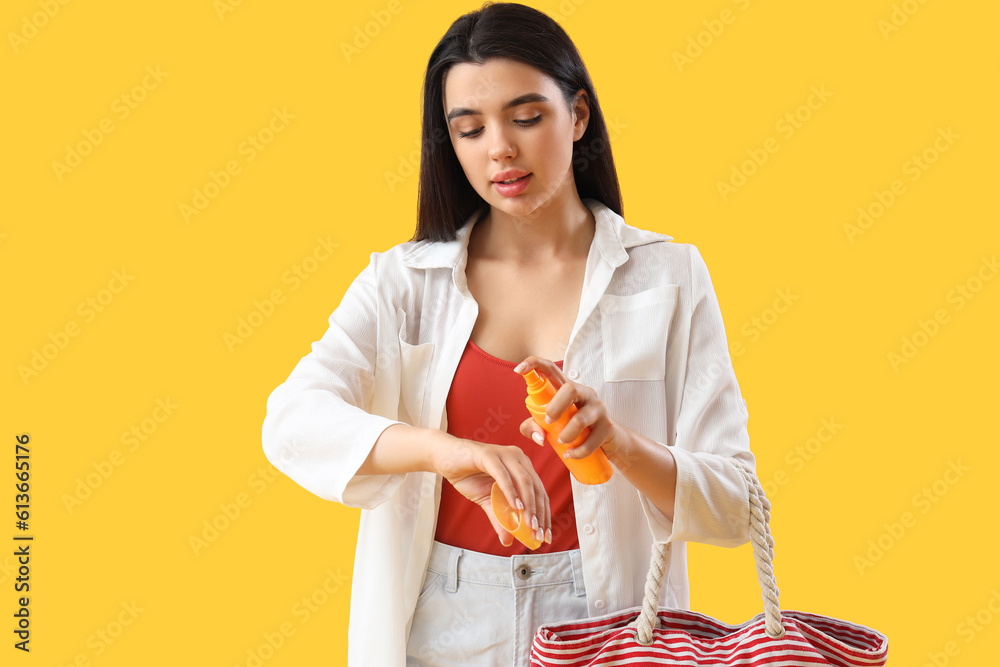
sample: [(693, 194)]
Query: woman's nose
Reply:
[(500, 145)]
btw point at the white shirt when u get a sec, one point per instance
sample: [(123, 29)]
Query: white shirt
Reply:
[(649, 338)]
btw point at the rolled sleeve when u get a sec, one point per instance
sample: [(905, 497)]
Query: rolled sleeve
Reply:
[(319, 428), (711, 499)]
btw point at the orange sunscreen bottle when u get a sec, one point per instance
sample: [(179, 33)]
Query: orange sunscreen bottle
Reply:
[(593, 469), (512, 519)]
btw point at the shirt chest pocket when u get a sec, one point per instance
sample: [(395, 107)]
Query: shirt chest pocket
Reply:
[(634, 328), (414, 371)]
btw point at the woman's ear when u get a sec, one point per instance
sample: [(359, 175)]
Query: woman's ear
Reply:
[(581, 113)]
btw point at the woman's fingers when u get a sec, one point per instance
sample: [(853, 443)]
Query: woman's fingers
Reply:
[(587, 416), (543, 367), (531, 430), (599, 434), (511, 468), (580, 396), (494, 467), (546, 535), (535, 508)]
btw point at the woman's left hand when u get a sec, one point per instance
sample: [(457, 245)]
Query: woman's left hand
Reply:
[(591, 412)]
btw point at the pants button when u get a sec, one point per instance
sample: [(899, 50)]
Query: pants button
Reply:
[(524, 571)]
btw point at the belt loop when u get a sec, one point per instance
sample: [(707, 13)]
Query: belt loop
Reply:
[(453, 557), (579, 588)]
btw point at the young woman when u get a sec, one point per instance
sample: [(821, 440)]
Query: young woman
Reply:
[(412, 404)]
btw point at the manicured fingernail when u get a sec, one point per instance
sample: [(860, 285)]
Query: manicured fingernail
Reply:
[(534, 523), (520, 505), (519, 368), (566, 454), (548, 536), (540, 535), (561, 441), (537, 437), (549, 420)]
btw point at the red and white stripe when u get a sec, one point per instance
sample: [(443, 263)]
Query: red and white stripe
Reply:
[(691, 638)]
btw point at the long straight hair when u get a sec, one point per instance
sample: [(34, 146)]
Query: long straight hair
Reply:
[(446, 199)]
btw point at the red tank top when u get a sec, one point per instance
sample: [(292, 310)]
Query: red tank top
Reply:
[(486, 404)]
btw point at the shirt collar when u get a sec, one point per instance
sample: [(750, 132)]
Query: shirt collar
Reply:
[(612, 237)]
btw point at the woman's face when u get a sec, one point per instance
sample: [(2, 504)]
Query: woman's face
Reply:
[(505, 116)]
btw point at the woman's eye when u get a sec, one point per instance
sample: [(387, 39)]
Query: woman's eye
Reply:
[(523, 123)]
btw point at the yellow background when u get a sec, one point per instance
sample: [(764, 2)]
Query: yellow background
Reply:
[(896, 73)]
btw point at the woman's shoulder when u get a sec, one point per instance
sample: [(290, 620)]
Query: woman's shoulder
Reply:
[(675, 262)]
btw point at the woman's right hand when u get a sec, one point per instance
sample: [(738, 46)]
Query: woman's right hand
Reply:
[(472, 467)]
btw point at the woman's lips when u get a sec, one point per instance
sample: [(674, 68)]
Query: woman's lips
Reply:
[(512, 189)]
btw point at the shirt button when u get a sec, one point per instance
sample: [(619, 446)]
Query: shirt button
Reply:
[(524, 571), (573, 374), (588, 528), (599, 604)]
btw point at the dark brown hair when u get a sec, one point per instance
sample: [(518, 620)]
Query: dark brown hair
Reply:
[(510, 30)]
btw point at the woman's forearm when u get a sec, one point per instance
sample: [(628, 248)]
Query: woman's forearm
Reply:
[(402, 448), (648, 466), (469, 466)]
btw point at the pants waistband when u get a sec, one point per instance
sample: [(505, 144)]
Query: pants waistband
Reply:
[(524, 571)]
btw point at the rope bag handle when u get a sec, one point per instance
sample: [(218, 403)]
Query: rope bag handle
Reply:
[(763, 552)]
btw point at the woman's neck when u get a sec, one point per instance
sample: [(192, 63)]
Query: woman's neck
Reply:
[(557, 234)]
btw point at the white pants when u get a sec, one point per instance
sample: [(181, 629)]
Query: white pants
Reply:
[(480, 609)]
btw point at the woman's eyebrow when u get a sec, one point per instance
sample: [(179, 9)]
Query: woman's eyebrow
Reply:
[(522, 99)]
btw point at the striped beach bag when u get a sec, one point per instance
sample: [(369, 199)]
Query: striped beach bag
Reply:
[(645, 636)]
